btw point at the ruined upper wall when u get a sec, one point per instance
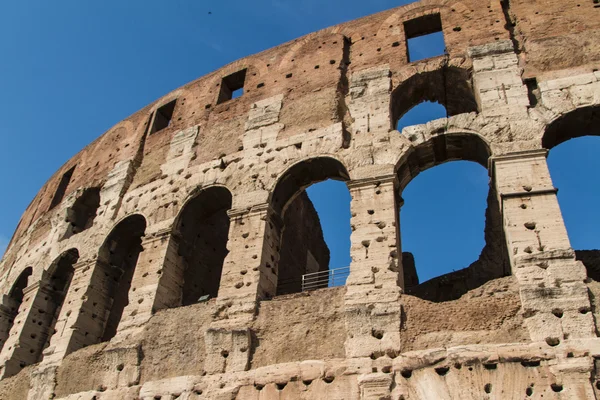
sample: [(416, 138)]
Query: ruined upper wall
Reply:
[(309, 70)]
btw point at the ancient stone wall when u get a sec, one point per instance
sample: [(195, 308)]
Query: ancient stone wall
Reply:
[(149, 265)]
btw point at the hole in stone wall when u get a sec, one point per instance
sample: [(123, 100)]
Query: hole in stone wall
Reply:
[(203, 230), (533, 92), (556, 387), (163, 117), (424, 37), (62, 188), (83, 212), (232, 86)]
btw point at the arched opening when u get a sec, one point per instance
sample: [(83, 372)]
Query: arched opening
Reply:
[(83, 212), (449, 86), (120, 253), (574, 167), (451, 243), (310, 217), (12, 302), (203, 230), (60, 275)]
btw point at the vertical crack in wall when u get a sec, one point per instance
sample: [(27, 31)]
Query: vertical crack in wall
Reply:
[(511, 26), (135, 163), (342, 91)]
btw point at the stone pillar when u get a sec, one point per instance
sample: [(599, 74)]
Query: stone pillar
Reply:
[(497, 82), (249, 275), (374, 285), (82, 318), (156, 284), (29, 332), (555, 300)]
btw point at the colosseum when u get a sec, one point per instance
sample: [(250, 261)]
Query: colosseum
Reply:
[(171, 258)]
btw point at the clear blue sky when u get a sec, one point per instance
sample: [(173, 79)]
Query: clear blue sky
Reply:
[(72, 69)]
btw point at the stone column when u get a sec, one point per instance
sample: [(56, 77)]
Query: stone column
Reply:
[(374, 285), (156, 284), (249, 275), (555, 300), (28, 334)]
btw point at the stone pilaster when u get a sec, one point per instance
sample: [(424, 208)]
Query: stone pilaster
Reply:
[(83, 316), (249, 275), (156, 284), (29, 332), (374, 284), (498, 87), (556, 304)]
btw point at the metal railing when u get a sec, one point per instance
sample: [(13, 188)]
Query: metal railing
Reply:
[(323, 279)]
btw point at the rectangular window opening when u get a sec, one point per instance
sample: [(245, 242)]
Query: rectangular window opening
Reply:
[(163, 117), (424, 37), (62, 188), (232, 86)]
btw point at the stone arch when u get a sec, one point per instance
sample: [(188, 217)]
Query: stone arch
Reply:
[(118, 255), (303, 174), (302, 249), (579, 122), (447, 85), (493, 259), (9, 308), (201, 230), (439, 149)]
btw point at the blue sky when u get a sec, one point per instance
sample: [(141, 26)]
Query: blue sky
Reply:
[(72, 69)]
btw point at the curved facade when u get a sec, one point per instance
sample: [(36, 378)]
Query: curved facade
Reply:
[(163, 260)]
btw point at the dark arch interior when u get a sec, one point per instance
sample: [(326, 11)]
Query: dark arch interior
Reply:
[(449, 86), (580, 122), (61, 272), (13, 301), (83, 212), (203, 229), (16, 292), (302, 247), (120, 252)]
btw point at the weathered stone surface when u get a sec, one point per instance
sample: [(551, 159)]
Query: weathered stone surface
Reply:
[(180, 236)]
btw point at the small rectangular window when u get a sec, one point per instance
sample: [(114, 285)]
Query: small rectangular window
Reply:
[(424, 37), (62, 188), (163, 117), (232, 86)]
